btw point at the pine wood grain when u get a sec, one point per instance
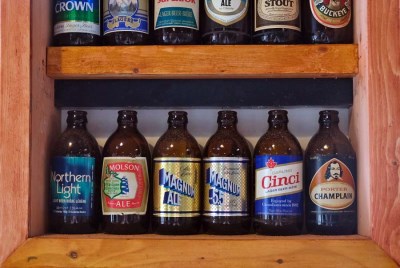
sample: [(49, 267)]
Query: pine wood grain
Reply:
[(14, 123), (250, 61), (57, 252), (384, 108)]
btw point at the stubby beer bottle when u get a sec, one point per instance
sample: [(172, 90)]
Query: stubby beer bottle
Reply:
[(330, 180), (177, 175), (226, 22), (75, 179), (278, 179), (126, 22), (277, 22), (76, 23), (125, 181), (226, 179), (327, 21)]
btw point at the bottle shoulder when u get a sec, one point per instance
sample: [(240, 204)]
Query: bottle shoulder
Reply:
[(278, 143), (126, 143), (227, 144), (327, 143), (177, 143), (76, 142)]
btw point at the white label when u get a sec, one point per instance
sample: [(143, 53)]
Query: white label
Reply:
[(76, 27), (226, 12)]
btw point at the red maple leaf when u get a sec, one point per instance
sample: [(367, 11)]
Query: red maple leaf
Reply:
[(271, 163)]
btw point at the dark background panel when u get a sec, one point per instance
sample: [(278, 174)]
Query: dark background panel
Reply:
[(204, 93)]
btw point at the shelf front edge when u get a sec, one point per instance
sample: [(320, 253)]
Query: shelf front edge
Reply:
[(130, 252), (233, 61)]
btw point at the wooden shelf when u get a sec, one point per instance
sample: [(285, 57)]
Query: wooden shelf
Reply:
[(236, 61), (195, 251)]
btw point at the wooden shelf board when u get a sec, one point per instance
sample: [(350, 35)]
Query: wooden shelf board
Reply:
[(233, 61), (202, 250)]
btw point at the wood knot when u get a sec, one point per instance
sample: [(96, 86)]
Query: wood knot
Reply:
[(279, 261), (323, 49), (136, 70), (202, 258), (32, 258), (73, 254)]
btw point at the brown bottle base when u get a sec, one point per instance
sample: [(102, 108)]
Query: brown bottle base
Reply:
[(176, 226), (225, 37), (331, 230), (282, 227), (63, 225), (277, 36), (128, 224), (125, 39), (227, 225), (76, 39), (176, 36)]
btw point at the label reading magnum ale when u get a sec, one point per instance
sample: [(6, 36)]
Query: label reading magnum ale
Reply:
[(125, 15), (71, 183), (332, 186), (279, 185), (273, 14), (172, 13), (331, 13), (77, 16), (124, 185), (177, 187), (226, 12), (225, 192)]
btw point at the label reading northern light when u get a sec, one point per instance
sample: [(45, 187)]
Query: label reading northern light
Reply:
[(71, 183), (225, 192), (177, 187)]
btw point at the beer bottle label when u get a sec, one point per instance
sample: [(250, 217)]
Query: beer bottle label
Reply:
[(176, 14), (124, 185), (332, 186), (176, 187), (72, 185), (125, 16), (225, 192), (279, 185), (226, 12), (275, 14), (331, 13), (76, 16)]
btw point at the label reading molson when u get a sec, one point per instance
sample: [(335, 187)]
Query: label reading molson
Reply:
[(124, 186), (226, 12), (273, 14), (279, 185), (172, 13), (126, 15), (77, 16), (331, 13), (177, 187), (225, 192), (71, 183)]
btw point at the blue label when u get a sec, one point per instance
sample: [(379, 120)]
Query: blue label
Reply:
[(279, 185), (122, 16), (71, 183), (176, 16)]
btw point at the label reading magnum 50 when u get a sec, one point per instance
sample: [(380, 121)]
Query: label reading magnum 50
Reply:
[(126, 15), (273, 14), (225, 192), (226, 12), (76, 16), (172, 13), (279, 185), (331, 13), (177, 187), (71, 183), (124, 185)]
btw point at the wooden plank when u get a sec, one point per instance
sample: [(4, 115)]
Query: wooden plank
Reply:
[(14, 123), (221, 252), (384, 98), (45, 118), (240, 61)]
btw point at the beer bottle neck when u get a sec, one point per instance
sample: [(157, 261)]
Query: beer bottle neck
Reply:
[(329, 120), (278, 120), (127, 119), (227, 120), (278, 126), (76, 119), (177, 120)]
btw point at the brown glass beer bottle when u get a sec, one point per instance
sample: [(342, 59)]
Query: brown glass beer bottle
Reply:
[(327, 21), (75, 179), (177, 175), (330, 180), (226, 179), (278, 179), (125, 178)]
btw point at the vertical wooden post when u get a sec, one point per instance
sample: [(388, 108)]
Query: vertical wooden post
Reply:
[(14, 123)]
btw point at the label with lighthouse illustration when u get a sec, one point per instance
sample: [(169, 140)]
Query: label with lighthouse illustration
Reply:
[(279, 185)]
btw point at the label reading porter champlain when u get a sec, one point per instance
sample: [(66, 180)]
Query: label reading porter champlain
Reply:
[(225, 192), (173, 13), (332, 186), (125, 15), (76, 16), (273, 14), (226, 12), (331, 13), (279, 185), (71, 184), (124, 185), (177, 187)]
